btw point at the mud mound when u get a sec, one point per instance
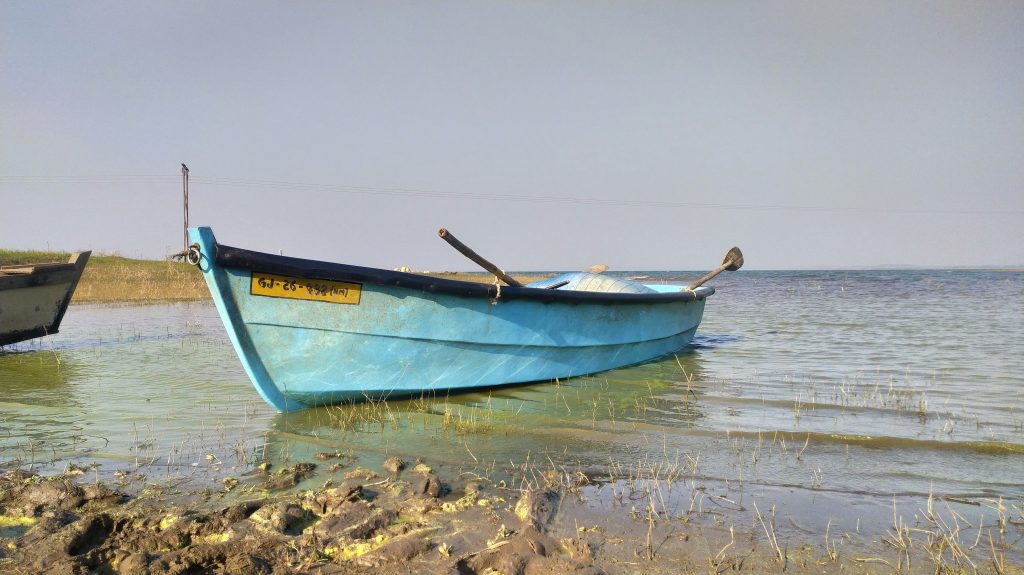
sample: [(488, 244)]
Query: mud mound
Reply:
[(365, 525)]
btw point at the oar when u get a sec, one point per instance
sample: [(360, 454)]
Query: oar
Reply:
[(466, 251), (732, 262)]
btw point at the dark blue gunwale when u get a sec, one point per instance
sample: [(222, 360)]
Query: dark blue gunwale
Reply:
[(231, 257)]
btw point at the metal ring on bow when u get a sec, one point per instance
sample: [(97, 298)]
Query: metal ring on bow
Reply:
[(193, 256)]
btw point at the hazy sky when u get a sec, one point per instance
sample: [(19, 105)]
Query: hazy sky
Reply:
[(547, 135)]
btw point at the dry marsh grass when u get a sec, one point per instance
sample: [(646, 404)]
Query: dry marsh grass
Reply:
[(111, 278), (117, 279)]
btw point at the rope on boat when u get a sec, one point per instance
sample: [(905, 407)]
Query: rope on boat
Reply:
[(497, 295)]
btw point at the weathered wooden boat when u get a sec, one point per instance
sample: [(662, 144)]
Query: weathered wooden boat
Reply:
[(312, 333), (33, 298)]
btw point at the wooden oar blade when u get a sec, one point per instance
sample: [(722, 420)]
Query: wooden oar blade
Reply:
[(733, 260), (597, 269)]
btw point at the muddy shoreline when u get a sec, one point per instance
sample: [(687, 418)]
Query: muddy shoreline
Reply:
[(400, 518), (403, 518)]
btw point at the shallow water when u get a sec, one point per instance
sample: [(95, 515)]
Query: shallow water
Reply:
[(833, 395)]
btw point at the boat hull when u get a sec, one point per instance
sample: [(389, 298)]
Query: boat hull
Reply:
[(406, 338), (33, 299)]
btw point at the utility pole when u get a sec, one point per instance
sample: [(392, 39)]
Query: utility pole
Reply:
[(184, 191)]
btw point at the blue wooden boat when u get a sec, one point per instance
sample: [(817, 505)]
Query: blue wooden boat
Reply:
[(312, 333)]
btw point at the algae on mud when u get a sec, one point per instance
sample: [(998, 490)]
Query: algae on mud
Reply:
[(334, 529)]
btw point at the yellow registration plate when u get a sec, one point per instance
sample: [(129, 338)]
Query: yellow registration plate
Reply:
[(273, 285)]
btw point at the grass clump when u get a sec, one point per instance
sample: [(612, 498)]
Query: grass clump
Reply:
[(29, 257)]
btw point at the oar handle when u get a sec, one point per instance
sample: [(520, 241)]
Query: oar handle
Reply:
[(706, 278), (469, 253), (732, 262)]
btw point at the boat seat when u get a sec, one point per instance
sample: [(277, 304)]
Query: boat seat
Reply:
[(584, 281)]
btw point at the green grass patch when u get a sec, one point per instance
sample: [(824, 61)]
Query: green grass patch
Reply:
[(21, 258)]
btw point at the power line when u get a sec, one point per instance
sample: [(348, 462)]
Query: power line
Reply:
[(88, 179), (212, 183)]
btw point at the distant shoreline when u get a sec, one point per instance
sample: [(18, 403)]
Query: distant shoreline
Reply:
[(116, 279)]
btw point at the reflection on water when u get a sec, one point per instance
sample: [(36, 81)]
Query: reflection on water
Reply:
[(587, 420), (829, 388), (37, 377), (36, 411), (124, 386)]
